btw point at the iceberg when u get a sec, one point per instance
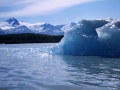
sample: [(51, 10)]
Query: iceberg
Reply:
[(91, 38)]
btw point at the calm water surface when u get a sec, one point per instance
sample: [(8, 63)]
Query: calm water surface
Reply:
[(26, 67)]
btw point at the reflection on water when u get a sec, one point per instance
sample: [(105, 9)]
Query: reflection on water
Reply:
[(30, 69), (94, 71)]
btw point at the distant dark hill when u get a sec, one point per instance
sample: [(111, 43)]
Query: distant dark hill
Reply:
[(29, 38), (1, 32)]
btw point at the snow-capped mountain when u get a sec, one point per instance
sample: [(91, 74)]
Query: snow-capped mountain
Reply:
[(13, 26), (17, 30), (13, 22)]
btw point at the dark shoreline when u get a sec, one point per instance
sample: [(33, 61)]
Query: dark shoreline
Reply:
[(29, 38)]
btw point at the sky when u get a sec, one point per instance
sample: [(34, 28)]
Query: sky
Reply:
[(58, 11)]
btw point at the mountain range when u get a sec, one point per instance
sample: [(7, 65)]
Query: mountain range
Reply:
[(13, 26)]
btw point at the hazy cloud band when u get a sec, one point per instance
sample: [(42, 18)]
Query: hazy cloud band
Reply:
[(37, 7)]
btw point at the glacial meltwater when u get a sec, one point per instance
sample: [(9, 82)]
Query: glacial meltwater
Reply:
[(28, 67)]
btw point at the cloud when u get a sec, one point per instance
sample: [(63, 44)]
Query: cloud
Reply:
[(36, 7), (13, 2)]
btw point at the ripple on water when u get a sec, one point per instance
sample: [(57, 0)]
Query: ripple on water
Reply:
[(34, 69)]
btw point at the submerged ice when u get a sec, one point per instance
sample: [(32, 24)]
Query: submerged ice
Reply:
[(91, 38)]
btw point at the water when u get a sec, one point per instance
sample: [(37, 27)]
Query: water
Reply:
[(26, 67)]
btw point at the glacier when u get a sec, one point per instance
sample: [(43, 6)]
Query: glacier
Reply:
[(91, 38)]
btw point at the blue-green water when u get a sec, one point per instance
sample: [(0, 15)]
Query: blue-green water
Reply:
[(26, 67)]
